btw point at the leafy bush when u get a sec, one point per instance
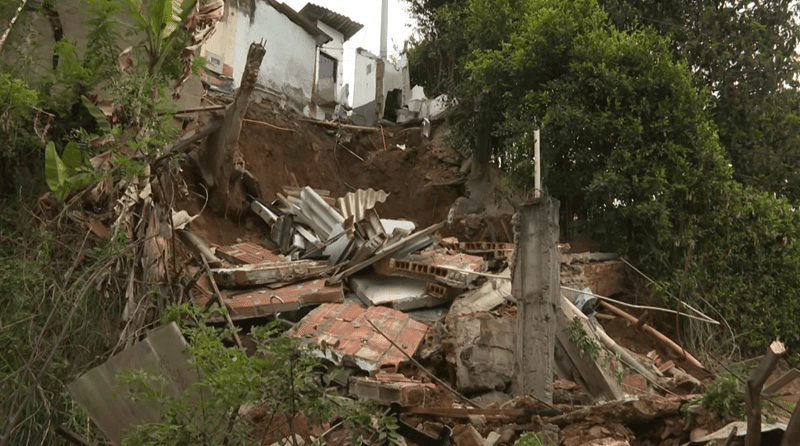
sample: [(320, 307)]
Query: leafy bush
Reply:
[(532, 439), (724, 397), (285, 376)]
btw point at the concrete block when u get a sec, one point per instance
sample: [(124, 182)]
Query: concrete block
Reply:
[(466, 435), (493, 439), (400, 293), (483, 352), (486, 298)]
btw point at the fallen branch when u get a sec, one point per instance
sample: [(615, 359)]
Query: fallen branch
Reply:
[(752, 395), (632, 411), (665, 340), (218, 295)]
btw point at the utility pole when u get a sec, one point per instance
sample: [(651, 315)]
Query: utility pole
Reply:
[(380, 100)]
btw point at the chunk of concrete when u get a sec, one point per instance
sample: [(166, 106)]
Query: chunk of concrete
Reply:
[(400, 293), (483, 351), (489, 296), (493, 439), (466, 435)]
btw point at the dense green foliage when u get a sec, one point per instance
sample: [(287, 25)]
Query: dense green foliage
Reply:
[(54, 322), (631, 149), (285, 376), (744, 52), (59, 318), (724, 397)]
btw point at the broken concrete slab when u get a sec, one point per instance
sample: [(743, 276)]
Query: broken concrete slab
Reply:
[(482, 351), (493, 439), (400, 293), (265, 301), (597, 377), (466, 435), (388, 388), (345, 330), (266, 273), (741, 431), (489, 296)]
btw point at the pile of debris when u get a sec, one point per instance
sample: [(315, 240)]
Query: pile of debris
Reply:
[(386, 297), (420, 321)]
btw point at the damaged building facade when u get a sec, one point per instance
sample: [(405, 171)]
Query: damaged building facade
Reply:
[(305, 56)]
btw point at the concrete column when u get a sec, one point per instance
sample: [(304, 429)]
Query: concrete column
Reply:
[(536, 287)]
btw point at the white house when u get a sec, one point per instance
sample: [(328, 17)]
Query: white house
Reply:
[(396, 86), (303, 50)]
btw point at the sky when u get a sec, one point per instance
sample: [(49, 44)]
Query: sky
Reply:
[(367, 13)]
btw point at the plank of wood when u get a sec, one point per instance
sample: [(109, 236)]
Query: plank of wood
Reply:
[(459, 412)]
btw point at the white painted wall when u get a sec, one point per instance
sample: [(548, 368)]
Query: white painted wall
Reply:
[(395, 76), (364, 78), (335, 49), (290, 61)]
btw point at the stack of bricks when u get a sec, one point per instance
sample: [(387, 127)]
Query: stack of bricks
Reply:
[(345, 330)]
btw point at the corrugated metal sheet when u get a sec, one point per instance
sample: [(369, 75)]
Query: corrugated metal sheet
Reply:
[(323, 219), (99, 395), (340, 23), (356, 204)]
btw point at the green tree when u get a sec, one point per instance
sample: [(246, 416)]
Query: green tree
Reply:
[(744, 52), (631, 150)]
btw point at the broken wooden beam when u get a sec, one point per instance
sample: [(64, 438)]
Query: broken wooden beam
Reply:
[(657, 334), (630, 411), (752, 394), (227, 137)]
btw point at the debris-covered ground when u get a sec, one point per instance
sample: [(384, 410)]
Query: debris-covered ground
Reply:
[(381, 243)]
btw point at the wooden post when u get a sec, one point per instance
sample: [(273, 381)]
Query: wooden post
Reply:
[(537, 171), (537, 289), (380, 101), (227, 137), (752, 393)]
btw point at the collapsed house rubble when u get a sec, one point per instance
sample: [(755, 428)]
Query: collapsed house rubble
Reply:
[(424, 318)]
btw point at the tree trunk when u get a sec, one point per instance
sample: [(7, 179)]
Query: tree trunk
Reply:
[(752, 395), (11, 24), (215, 173)]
